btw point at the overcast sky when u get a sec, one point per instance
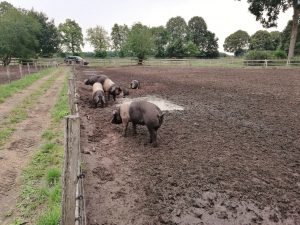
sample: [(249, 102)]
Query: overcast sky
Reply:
[(223, 17)]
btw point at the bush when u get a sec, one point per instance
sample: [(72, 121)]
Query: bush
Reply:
[(280, 54), (100, 54), (259, 55)]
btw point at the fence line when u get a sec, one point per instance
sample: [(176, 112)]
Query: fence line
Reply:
[(190, 62), (16, 70), (73, 201)]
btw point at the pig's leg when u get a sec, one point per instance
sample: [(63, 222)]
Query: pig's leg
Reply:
[(125, 122), (154, 135), (134, 128)]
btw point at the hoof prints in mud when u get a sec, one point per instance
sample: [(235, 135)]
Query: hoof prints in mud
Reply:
[(10, 177), (230, 157), (22, 145)]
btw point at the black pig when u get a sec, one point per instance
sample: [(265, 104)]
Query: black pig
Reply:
[(142, 113), (135, 84)]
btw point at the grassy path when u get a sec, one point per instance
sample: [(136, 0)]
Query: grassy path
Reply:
[(29, 120)]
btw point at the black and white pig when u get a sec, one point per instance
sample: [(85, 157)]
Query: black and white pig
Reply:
[(108, 85), (98, 94), (111, 88), (135, 84), (142, 113)]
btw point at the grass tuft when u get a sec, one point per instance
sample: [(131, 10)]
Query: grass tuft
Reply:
[(53, 176)]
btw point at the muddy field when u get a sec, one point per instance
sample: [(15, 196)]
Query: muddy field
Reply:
[(232, 156)]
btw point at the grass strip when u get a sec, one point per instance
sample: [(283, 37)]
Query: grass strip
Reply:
[(20, 113), (40, 198), (7, 90)]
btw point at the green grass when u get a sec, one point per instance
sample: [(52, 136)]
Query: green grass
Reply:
[(40, 198), (20, 113), (7, 90)]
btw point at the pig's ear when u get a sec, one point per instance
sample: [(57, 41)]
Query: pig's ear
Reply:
[(114, 112), (113, 89), (85, 81)]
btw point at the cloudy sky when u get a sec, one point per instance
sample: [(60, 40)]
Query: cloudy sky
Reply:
[(223, 17)]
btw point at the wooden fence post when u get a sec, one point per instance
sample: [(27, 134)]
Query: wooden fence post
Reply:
[(70, 178), (8, 73), (21, 71), (35, 65), (71, 93), (28, 68)]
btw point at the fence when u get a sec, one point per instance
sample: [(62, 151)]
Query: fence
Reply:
[(17, 69), (271, 63), (220, 62), (73, 204)]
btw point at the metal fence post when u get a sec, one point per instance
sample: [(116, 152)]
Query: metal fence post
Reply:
[(70, 179)]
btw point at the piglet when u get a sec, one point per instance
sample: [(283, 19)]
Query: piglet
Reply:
[(142, 113), (135, 84)]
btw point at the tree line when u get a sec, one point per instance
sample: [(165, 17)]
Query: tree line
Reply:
[(31, 34), (240, 42)]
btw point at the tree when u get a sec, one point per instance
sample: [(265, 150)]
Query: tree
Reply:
[(261, 40), (205, 40), (177, 31), (197, 29), (237, 42), (209, 48), (71, 34), (99, 39), (275, 38), (49, 39), (119, 36), (160, 36), (140, 41), (267, 11), (5, 6), (286, 36), (18, 34)]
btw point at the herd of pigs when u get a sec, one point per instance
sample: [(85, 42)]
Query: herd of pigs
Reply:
[(136, 112)]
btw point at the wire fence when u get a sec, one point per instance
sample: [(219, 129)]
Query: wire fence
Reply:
[(17, 69), (220, 62)]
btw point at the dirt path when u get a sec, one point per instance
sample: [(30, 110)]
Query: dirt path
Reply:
[(21, 146), (17, 98)]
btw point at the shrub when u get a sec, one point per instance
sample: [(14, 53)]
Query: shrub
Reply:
[(259, 55), (280, 54)]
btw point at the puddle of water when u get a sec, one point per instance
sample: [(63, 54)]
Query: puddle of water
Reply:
[(92, 71), (163, 104)]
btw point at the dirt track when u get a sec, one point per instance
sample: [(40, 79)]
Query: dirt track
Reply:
[(231, 157), (19, 148)]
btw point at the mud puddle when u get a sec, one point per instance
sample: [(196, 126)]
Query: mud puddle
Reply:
[(163, 104)]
